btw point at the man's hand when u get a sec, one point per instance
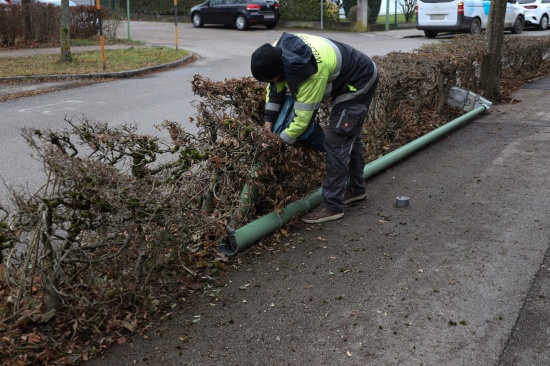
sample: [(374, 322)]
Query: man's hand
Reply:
[(268, 126)]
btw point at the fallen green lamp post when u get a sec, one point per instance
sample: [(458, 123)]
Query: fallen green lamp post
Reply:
[(249, 234)]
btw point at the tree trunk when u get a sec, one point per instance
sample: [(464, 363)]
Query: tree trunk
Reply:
[(65, 37), (362, 14), (491, 61), (27, 23)]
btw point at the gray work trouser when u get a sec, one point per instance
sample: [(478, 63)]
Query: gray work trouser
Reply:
[(344, 150)]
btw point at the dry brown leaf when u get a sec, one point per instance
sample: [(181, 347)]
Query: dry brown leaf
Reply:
[(131, 326), (192, 285), (45, 355)]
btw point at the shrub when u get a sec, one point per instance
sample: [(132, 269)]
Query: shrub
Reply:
[(308, 10), (374, 10), (44, 21), (331, 12), (347, 5), (352, 14), (300, 10), (11, 24), (161, 7)]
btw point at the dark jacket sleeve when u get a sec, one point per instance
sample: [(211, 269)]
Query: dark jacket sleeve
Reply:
[(274, 100)]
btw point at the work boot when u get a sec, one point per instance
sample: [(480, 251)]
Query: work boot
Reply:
[(321, 214), (350, 197)]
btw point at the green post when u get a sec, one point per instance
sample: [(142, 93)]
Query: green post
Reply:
[(252, 232), (395, 25), (387, 15), (322, 14), (128, 15), (176, 21)]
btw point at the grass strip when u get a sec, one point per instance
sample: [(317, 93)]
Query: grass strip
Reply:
[(90, 61)]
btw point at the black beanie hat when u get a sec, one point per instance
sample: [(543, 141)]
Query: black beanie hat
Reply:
[(266, 62)]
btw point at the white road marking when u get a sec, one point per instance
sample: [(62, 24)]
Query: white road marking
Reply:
[(48, 107)]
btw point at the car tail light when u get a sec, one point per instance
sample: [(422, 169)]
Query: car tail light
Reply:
[(276, 6), (416, 10), (460, 8), (529, 6), (253, 7)]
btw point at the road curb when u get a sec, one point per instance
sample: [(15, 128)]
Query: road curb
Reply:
[(110, 75)]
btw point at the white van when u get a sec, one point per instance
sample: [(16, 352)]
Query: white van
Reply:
[(468, 16)]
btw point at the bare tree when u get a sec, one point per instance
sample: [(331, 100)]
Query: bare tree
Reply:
[(408, 7), (491, 61), (27, 16), (65, 31)]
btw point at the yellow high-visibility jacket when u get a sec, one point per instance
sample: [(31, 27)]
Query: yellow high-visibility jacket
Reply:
[(316, 68)]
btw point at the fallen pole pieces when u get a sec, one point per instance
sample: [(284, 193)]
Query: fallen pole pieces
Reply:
[(249, 234)]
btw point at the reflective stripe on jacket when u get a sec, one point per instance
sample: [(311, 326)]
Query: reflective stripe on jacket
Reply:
[(315, 68)]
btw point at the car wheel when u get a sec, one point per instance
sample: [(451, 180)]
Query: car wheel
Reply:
[(430, 34), (240, 22), (197, 20), (518, 26), (475, 27), (543, 25), (270, 25)]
